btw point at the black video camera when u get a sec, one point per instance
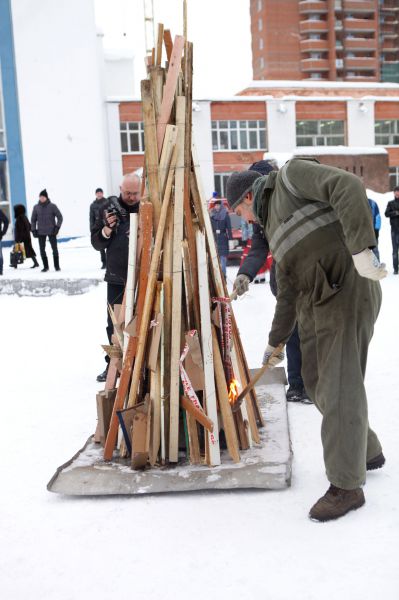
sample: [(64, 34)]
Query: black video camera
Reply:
[(114, 208)]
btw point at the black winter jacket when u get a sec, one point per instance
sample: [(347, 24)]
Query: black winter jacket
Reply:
[(221, 226), (96, 212), (46, 218), (117, 245), (392, 212), (3, 224), (257, 254)]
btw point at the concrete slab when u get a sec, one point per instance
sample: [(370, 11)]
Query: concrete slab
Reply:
[(48, 287), (267, 466)]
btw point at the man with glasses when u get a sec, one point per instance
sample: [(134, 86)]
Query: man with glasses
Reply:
[(111, 232)]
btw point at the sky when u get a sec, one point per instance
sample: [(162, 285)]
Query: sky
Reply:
[(219, 30)]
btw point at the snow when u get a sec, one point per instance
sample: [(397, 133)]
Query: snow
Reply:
[(236, 545), (286, 83)]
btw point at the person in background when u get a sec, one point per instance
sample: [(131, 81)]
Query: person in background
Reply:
[(46, 222), (96, 210), (3, 230), (375, 211), (246, 230), (253, 262), (317, 222), (22, 231), (111, 232), (221, 226), (392, 212)]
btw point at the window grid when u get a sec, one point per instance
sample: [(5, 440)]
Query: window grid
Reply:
[(132, 137), (239, 135), (393, 177), (387, 132), (320, 133), (220, 180)]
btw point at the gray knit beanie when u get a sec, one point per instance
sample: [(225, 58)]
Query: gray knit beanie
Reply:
[(238, 186)]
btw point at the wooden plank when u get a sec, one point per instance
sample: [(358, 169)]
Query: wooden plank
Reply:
[(207, 350), (162, 380), (166, 156), (167, 39), (195, 451), (176, 323), (131, 275), (158, 57), (157, 77), (170, 89), (151, 284), (188, 286), (151, 148), (155, 395), (167, 325), (224, 404), (146, 229)]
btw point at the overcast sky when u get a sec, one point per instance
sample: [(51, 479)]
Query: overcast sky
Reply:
[(219, 29)]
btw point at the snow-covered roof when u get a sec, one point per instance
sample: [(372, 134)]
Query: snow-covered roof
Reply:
[(306, 150), (322, 84)]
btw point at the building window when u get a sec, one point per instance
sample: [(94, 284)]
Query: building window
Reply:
[(320, 133), (260, 24), (261, 63), (220, 183), (387, 132), (260, 5), (393, 177), (239, 135), (132, 137), (260, 43)]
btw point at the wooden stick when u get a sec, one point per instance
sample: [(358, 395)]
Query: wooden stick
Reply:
[(195, 452), (177, 285), (158, 59), (207, 351), (224, 404), (149, 296), (151, 149), (170, 88), (167, 38), (198, 415), (155, 395), (256, 378), (131, 275)]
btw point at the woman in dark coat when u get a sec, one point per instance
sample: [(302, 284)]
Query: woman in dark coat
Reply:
[(221, 226), (22, 232)]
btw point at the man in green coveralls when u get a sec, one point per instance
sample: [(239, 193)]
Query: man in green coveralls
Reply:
[(317, 222)]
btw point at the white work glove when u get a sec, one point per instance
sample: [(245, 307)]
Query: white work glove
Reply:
[(241, 284), (276, 360), (368, 265)]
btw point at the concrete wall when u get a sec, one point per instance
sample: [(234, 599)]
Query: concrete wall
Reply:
[(61, 105), (281, 125), (360, 122)]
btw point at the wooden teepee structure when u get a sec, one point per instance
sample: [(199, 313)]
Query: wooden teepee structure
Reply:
[(181, 361)]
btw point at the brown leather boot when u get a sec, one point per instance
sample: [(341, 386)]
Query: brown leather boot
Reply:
[(335, 503), (375, 463)]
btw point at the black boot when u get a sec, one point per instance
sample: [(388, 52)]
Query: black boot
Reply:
[(56, 262), (35, 263), (103, 375), (45, 264)]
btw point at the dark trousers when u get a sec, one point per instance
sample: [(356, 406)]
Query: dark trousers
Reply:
[(54, 247), (114, 296), (103, 256), (395, 249), (1, 259), (375, 250), (294, 360)]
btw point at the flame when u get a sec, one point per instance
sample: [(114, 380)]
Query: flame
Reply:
[(233, 391)]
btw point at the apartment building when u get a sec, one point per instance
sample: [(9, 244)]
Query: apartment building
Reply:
[(332, 40)]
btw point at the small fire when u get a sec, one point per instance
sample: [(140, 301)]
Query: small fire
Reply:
[(233, 391)]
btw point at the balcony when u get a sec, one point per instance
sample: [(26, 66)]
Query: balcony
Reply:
[(367, 6), (388, 31), (390, 46), (313, 27), (313, 64), (389, 5), (359, 63), (313, 7), (360, 25), (360, 44), (314, 45)]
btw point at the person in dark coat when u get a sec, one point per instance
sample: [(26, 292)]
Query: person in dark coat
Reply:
[(253, 262), (221, 226), (46, 222), (111, 232), (96, 211), (392, 212), (22, 231), (3, 230)]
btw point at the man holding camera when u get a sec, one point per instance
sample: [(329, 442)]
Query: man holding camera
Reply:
[(111, 232)]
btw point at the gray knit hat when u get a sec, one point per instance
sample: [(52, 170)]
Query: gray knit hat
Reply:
[(238, 186)]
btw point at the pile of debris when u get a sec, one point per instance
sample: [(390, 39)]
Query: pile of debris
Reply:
[(177, 363)]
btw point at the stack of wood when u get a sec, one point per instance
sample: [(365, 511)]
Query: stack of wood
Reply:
[(177, 350)]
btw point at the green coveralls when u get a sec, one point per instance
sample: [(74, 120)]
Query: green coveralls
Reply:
[(315, 217)]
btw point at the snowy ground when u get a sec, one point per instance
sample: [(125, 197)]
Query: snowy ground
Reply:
[(237, 545)]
